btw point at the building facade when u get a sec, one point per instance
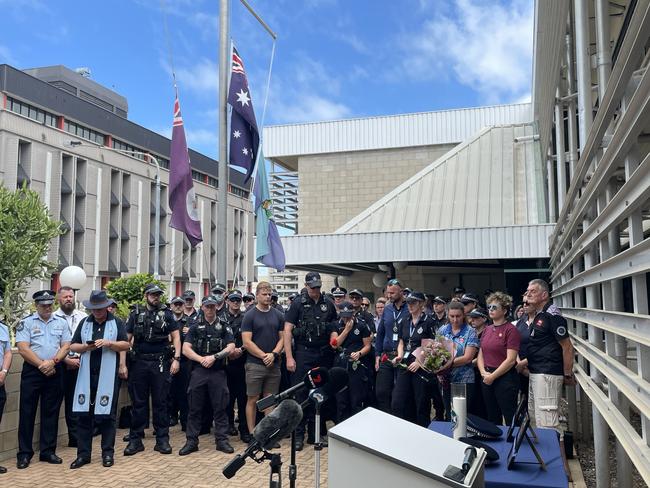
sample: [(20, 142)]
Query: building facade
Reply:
[(69, 139)]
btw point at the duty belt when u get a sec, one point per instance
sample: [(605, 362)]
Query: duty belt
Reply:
[(156, 356)]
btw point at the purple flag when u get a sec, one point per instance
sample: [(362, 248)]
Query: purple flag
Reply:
[(244, 136), (182, 199)]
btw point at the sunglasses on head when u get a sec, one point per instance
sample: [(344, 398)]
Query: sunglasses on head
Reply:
[(394, 282)]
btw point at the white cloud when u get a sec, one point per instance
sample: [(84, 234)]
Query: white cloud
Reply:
[(487, 45), (309, 107), (202, 77), (202, 138)]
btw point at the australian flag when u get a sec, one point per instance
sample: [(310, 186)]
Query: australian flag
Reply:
[(244, 135)]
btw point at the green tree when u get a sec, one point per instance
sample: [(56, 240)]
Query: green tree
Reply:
[(129, 290), (26, 232)]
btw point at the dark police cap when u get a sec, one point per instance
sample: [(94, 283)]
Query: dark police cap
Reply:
[(212, 300), (274, 294), (478, 427), (235, 295), (439, 299), (415, 296), (469, 298), (97, 300), (339, 291), (248, 297), (188, 294), (312, 280), (219, 288), (459, 289), (346, 310), (479, 312), (177, 300), (356, 292), (44, 297), (152, 289), (292, 297)]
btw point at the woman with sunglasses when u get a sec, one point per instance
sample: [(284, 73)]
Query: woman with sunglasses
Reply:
[(496, 361), (412, 386)]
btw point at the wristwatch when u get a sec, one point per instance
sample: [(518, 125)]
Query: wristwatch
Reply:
[(5, 371), (568, 376), (177, 358)]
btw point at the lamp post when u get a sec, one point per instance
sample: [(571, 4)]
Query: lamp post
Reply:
[(156, 251)]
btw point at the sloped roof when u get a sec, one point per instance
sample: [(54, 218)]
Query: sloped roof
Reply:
[(489, 180)]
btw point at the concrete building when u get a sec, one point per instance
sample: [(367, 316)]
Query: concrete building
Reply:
[(103, 189), (364, 184)]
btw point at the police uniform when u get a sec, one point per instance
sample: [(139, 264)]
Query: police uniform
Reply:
[(5, 345), (178, 405), (352, 399), (150, 372), (208, 339), (411, 388), (236, 373), (312, 325), (46, 339), (70, 375)]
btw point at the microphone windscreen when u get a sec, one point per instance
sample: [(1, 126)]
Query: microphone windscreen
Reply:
[(338, 379), (279, 423), (316, 377), (233, 466)]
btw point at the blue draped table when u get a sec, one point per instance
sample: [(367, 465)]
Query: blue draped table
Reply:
[(521, 474)]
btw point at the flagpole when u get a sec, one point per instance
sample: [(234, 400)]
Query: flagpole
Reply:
[(222, 191)]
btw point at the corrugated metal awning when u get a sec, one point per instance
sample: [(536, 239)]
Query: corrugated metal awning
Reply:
[(505, 242)]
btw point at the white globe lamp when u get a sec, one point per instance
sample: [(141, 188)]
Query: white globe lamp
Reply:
[(379, 279), (400, 266), (73, 276)]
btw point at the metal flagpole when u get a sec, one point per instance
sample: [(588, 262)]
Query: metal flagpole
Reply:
[(222, 191)]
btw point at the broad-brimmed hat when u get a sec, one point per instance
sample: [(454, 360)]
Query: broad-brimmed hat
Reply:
[(97, 300)]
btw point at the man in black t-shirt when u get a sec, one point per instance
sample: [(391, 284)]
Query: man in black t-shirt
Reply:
[(262, 335), (550, 361)]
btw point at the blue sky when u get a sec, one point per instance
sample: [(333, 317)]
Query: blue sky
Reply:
[(334, 58)]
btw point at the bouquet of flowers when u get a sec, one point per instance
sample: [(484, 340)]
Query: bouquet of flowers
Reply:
[(435, 355)]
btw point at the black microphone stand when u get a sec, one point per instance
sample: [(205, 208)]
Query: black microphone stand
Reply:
[(293, 467)]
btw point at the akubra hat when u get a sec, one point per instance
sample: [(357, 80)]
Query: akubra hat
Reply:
[(97, 300)]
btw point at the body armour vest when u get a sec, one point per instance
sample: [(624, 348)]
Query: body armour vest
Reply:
[(150, 325), (209, 338)]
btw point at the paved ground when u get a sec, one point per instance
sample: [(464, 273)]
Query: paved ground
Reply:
[(149, 468)]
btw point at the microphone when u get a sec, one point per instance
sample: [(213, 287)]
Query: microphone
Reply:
[(338, 379), (280, 422), (314, 378)]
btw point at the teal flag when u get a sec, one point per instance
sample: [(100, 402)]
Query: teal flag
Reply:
[(269, 246)]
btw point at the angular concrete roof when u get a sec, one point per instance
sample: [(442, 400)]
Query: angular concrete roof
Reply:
[(489, 180)]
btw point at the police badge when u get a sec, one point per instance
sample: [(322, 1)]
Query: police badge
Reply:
[(104, 400), (81, 399), (420, 330), (323, 307), (20, 326), (356, 331)]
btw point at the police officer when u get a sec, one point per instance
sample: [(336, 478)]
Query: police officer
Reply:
[(350, 338), (178, 406), (439, 314), (339, 293), (188, 306), (43, 341), (362, 315), (394, 315), (207, 345), (308, 321), (470, 302), (232, 317), (149, 328), (5, 364), (274, 301), (249, 301), (219, 289)]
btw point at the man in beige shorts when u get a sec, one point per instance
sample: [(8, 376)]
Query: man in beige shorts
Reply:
[(262, 329)]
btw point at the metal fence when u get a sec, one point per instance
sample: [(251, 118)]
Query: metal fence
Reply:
[(600, 249)]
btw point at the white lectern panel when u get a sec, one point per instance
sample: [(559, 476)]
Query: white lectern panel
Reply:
[(375, 449)]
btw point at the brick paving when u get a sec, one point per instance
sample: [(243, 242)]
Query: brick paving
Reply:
[(150, 468)]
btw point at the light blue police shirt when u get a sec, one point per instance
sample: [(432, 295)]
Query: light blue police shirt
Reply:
[(5, 343), (44, 338)]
